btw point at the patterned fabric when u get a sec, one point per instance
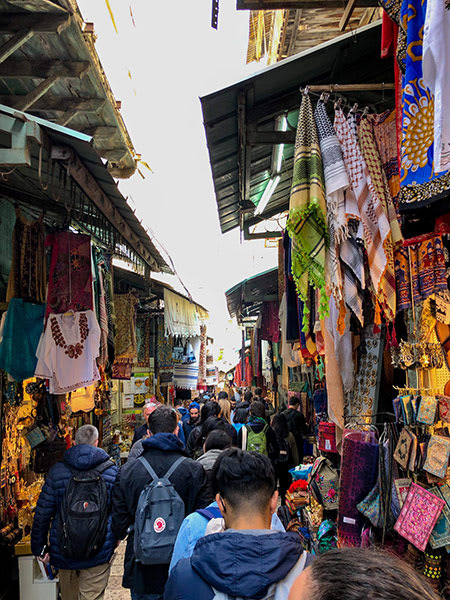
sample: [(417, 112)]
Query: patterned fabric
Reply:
[(336, 182), (143, 334), (385, 131), (103, 320), (164, 346), (438, 453), (427, 410), (359, 469), (420, 185), (307, 214), (270, 323), (70, 277), (352, 263), (125, 342), (426, 267), (28, 276), (202, 359), (418, 516), (440, 535), (375, 224)]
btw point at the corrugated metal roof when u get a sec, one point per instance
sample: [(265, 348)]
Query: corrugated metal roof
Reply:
[(351, 58), (251, 292)]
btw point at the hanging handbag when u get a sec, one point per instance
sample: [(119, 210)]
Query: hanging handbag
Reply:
[(427, 410), (324, 483), (403, 449)]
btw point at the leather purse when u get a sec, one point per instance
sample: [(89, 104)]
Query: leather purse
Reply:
[(403, 449)]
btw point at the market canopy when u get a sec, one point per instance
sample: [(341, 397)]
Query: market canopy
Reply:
[(246, 298), (247, 138), (56, 170)]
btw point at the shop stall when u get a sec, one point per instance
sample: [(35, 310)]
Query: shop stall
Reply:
[(69, 321), (350, 148)]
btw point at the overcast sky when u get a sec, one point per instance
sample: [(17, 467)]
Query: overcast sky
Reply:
[(163, 58)]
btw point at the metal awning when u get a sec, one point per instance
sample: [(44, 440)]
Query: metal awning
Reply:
[(241, 120), (245, 298), (53, 168)]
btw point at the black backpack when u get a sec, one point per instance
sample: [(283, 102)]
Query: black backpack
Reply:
[(285, 451), (83, 514)]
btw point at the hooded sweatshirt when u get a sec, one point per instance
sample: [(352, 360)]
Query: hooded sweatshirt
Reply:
[(260, 565), (208, 459)]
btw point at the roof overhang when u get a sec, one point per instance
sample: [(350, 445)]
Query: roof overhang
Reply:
[(240, 120), (245, 299)]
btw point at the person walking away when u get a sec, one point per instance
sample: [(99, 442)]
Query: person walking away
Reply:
[(152, 529), (137, 448), (247, 560), (296, 423), (193, 421), (83, 550), (216, 441), (225, 416), (242, 408), (180, 408), (358, 574), (142, 431), (288, 454), (257, 435)]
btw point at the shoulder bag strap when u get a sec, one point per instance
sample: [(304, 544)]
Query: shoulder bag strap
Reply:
[(148, 467), (174, 466), (104, 465), (244, 437)]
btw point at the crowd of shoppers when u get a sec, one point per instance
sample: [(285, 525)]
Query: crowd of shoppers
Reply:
[(197, 504)]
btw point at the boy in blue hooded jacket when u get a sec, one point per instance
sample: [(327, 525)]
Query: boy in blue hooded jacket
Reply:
[(248, 559)]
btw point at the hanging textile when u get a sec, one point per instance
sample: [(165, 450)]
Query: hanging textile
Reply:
[(202, 359), (143, 333), (436, 75), (270, 324), (185, 375), (352, 263), (102, 320), (307, 213), (28, 274), (70, 277), (359, 468), (385, 132), (180, 316), (266, 356), (376, 226), (290, 352), (125, 341), (164, 346), (22, 329), (292, 322), (336, 182), (420, 184), (108, 288), (83, 399), (426, 266), (68, 350)]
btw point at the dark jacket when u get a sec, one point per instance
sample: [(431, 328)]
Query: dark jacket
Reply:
[(297, 426), (239, 564), (188, 427), (81, 458), (161, 450), (241, 412), (197, 436), (272, 443), (139, 433)]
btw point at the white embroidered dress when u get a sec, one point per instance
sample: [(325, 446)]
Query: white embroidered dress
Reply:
[(67, 351)]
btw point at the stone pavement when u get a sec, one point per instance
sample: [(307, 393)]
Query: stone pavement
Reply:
[(115, 591)]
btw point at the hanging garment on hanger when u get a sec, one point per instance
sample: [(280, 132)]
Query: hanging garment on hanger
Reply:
[(67, 351), (70, 277), (28, 274)]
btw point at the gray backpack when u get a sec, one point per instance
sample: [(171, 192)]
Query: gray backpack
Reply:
[(159, 515)]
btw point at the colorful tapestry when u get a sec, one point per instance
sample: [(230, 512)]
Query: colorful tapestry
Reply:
[(70, 277), (376, 227), (202, 359), (102, 319), (143, 334), (359, 470), (426, 265), (164, 346), (307, 213), (270, 323), (109, 303), (28, 274), (419, 183), (418, 516), (125, 341), (336, 183), (385, 131)]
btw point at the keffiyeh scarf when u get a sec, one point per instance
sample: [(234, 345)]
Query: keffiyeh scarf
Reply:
[(307, 213)]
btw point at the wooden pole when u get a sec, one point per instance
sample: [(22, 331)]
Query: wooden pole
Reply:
[(350, 87)]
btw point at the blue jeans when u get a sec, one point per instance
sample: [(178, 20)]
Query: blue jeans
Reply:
[(138, 596)]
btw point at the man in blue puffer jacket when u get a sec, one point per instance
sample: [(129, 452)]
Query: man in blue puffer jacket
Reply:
[(77, 577)]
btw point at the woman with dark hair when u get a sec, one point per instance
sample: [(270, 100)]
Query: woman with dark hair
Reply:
[(359, 574), (257, 435), (288, 455)]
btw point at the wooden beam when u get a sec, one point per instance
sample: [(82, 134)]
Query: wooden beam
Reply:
[(348, 11), (297, 19), (111, 154), (280, 4), (65, 119), (270, 137), (38, 5), (91, 188), (102, 132), (37, 93), (57, 104), (367, 17), (38, 22), (16, 42), (43, 68)]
